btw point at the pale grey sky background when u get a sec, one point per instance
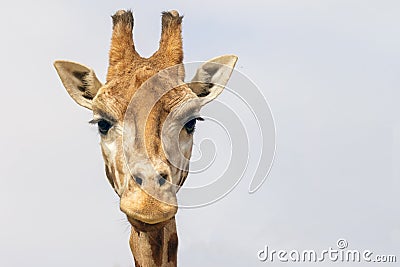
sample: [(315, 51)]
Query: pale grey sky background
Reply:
[(330, 71)]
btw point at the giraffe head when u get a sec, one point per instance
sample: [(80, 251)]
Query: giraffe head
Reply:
[(146, 115)]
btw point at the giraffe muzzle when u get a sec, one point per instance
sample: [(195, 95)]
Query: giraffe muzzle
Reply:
[(149, 200)]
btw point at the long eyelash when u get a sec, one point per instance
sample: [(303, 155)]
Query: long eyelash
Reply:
[(94, 121)]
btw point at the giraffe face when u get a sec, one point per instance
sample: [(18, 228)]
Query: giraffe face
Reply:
[(146, 142), (146, 115)]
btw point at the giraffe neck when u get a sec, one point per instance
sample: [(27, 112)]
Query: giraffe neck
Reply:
[(154, 246)]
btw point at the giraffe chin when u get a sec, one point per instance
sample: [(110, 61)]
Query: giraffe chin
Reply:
[(150, 220), (147, 227)]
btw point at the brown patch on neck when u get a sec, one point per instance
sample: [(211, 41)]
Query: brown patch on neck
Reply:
[(172, 248), (156, 240)]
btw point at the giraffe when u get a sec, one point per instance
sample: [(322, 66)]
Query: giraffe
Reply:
[(146, 127)]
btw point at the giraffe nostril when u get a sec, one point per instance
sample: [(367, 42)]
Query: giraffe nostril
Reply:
[(162, 179), (138, 180)]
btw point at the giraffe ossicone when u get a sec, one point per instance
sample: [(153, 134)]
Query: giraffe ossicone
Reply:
[(146, 115)]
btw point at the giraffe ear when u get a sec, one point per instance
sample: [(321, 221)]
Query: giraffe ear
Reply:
[(80, 81), (212, 76)]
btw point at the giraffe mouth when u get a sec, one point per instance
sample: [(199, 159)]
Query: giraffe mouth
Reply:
[(142, 209), (155, 218)]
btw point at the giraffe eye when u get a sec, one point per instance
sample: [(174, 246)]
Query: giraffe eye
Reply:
[(104, 126), (190, 126)]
